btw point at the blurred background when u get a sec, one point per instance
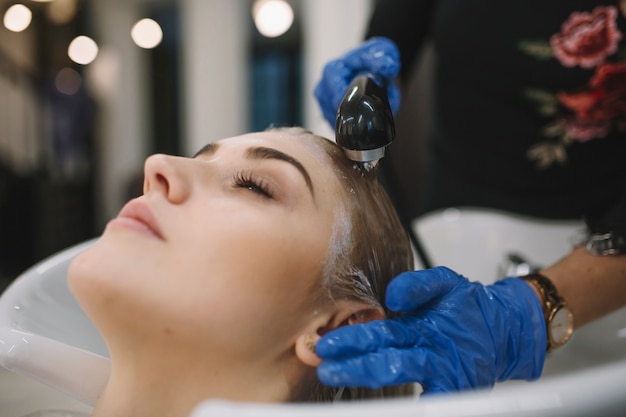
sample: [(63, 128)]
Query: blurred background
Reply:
[(89, 88)]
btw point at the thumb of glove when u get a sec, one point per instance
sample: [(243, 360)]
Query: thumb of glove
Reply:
[(411, 290)]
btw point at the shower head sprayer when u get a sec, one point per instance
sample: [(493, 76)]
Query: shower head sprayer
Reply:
[(364, 126)]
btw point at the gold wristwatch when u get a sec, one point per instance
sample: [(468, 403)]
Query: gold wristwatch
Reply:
[(558, 316)]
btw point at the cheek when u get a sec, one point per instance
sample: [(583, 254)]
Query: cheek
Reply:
[(252, 270), (251, 283), (243, 311), (261, 247)]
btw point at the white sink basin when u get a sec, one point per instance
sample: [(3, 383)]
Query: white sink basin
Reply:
[(44, 334)]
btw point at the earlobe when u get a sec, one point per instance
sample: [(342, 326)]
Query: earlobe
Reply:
[(347, 313), (305, 349)]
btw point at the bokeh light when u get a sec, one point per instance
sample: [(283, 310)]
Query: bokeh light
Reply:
[(17, 18), (82, 50), (272, 18), (68, 81), (146, 33)]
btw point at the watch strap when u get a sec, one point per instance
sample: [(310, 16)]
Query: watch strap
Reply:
[(551, 301), (609, 243)]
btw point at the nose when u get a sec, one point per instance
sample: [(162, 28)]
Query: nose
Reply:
[(167, 175)]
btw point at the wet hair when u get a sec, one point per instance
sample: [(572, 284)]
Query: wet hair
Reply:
[(369, 247)]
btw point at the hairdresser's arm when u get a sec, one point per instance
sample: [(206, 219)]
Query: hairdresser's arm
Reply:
[(592, 285)]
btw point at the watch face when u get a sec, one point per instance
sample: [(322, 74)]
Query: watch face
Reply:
[(561, 326)]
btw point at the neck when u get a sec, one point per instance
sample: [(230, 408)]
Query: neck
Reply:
[(172, 384)]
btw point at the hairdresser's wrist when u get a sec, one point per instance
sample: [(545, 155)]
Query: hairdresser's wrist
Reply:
[(559, 320)]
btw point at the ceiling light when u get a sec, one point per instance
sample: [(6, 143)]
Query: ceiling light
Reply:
[(17, 18), (272, 18), (146, 33), (82, 50)]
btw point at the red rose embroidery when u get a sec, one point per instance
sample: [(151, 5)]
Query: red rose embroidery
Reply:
[(603, 100), (586, 39)]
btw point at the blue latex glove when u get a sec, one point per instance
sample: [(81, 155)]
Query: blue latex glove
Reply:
[(378, 56), (456, 335)]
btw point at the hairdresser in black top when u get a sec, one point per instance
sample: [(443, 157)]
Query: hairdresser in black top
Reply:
[(529, 116)]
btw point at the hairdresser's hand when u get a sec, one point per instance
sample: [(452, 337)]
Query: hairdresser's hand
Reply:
[(377, 56), (456, 335)]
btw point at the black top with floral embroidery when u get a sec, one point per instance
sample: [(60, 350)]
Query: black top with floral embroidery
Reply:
[(529, 111)]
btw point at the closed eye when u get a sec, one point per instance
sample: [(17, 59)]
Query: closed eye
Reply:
[(243, 179)]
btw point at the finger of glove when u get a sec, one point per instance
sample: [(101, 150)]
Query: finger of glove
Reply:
[(392, 367), (373, 370), (378, 56), (434, 362), (370, 337), (411, 290)]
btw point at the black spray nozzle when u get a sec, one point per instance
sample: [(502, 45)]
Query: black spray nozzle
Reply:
[(364, 126)]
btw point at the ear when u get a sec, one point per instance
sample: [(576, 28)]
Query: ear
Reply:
[(344, 313)]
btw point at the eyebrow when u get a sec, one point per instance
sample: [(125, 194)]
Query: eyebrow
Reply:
[(261, 152)]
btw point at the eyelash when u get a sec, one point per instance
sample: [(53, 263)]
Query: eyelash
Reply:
[(244, 179)]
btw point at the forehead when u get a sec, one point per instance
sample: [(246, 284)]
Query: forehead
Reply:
[(307, 149), (303, 145)]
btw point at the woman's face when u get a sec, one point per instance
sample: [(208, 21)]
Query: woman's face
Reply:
[(225, 249)]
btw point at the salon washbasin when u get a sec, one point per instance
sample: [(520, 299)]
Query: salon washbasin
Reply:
[(596, 392), (45, 335)]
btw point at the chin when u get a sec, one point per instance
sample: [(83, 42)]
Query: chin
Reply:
[(93, 274)]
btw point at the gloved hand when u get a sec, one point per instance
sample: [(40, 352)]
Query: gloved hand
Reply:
[(378, 56), (455, 335)]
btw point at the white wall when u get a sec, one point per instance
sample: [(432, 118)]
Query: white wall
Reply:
[(117, 77), (215, 60), (331, 28)]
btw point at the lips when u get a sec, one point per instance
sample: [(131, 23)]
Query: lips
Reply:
[(138, 216)]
